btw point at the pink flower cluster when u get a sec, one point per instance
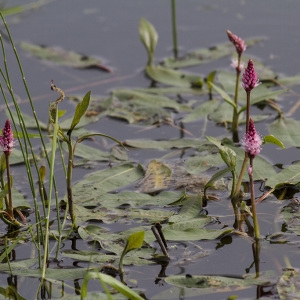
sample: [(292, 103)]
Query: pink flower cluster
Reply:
[(250, 79), (238, 43), (252, 141), (7, 142)]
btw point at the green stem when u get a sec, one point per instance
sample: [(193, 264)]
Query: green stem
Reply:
[(253, 204), (235, 117), (174, 28), (10, 208), (69, 182), (248, 111)]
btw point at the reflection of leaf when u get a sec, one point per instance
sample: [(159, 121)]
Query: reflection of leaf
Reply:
[(62, 57)]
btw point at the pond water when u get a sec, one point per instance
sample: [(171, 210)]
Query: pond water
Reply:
[(108, 29)]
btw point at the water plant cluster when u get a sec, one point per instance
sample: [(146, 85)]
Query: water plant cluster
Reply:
[(167, 201)]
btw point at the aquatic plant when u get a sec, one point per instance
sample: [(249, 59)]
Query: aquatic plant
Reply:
[(252, 145), (7, 144)]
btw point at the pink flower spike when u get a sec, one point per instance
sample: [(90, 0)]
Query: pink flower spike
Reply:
[(238, 43), (7, 138), (252, 141), (250, 79)]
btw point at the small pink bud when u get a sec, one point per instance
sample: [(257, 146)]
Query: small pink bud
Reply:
[(250, 170), (251, 141), (238, 43), (250, 79), (7, 138), (235, 65)]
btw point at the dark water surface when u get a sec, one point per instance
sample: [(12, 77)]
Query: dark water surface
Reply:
[(109, 29)]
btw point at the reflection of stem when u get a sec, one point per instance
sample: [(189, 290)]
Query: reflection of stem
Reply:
[(253, 204), (174, 29)]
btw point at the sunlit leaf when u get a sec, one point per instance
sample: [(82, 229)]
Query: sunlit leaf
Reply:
[(157, 177), (80, 110), (62, 57), (272, 140), (134, 241), (149, 37)]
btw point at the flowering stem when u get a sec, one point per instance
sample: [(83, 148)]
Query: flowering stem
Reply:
[(253, 204), (10, 205), (248, 110), (235, 117)]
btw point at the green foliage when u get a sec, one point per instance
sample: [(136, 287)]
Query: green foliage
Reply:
[(134, 241)]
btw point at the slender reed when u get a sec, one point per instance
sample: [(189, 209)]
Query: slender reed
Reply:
[(174, 28)]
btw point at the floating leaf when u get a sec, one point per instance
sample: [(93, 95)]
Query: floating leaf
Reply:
[(164, 145), (173, 77), (287, 131), (205, 55), (62, 57), (290, 175), (157, 177), (202, 110), (103, 181)]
